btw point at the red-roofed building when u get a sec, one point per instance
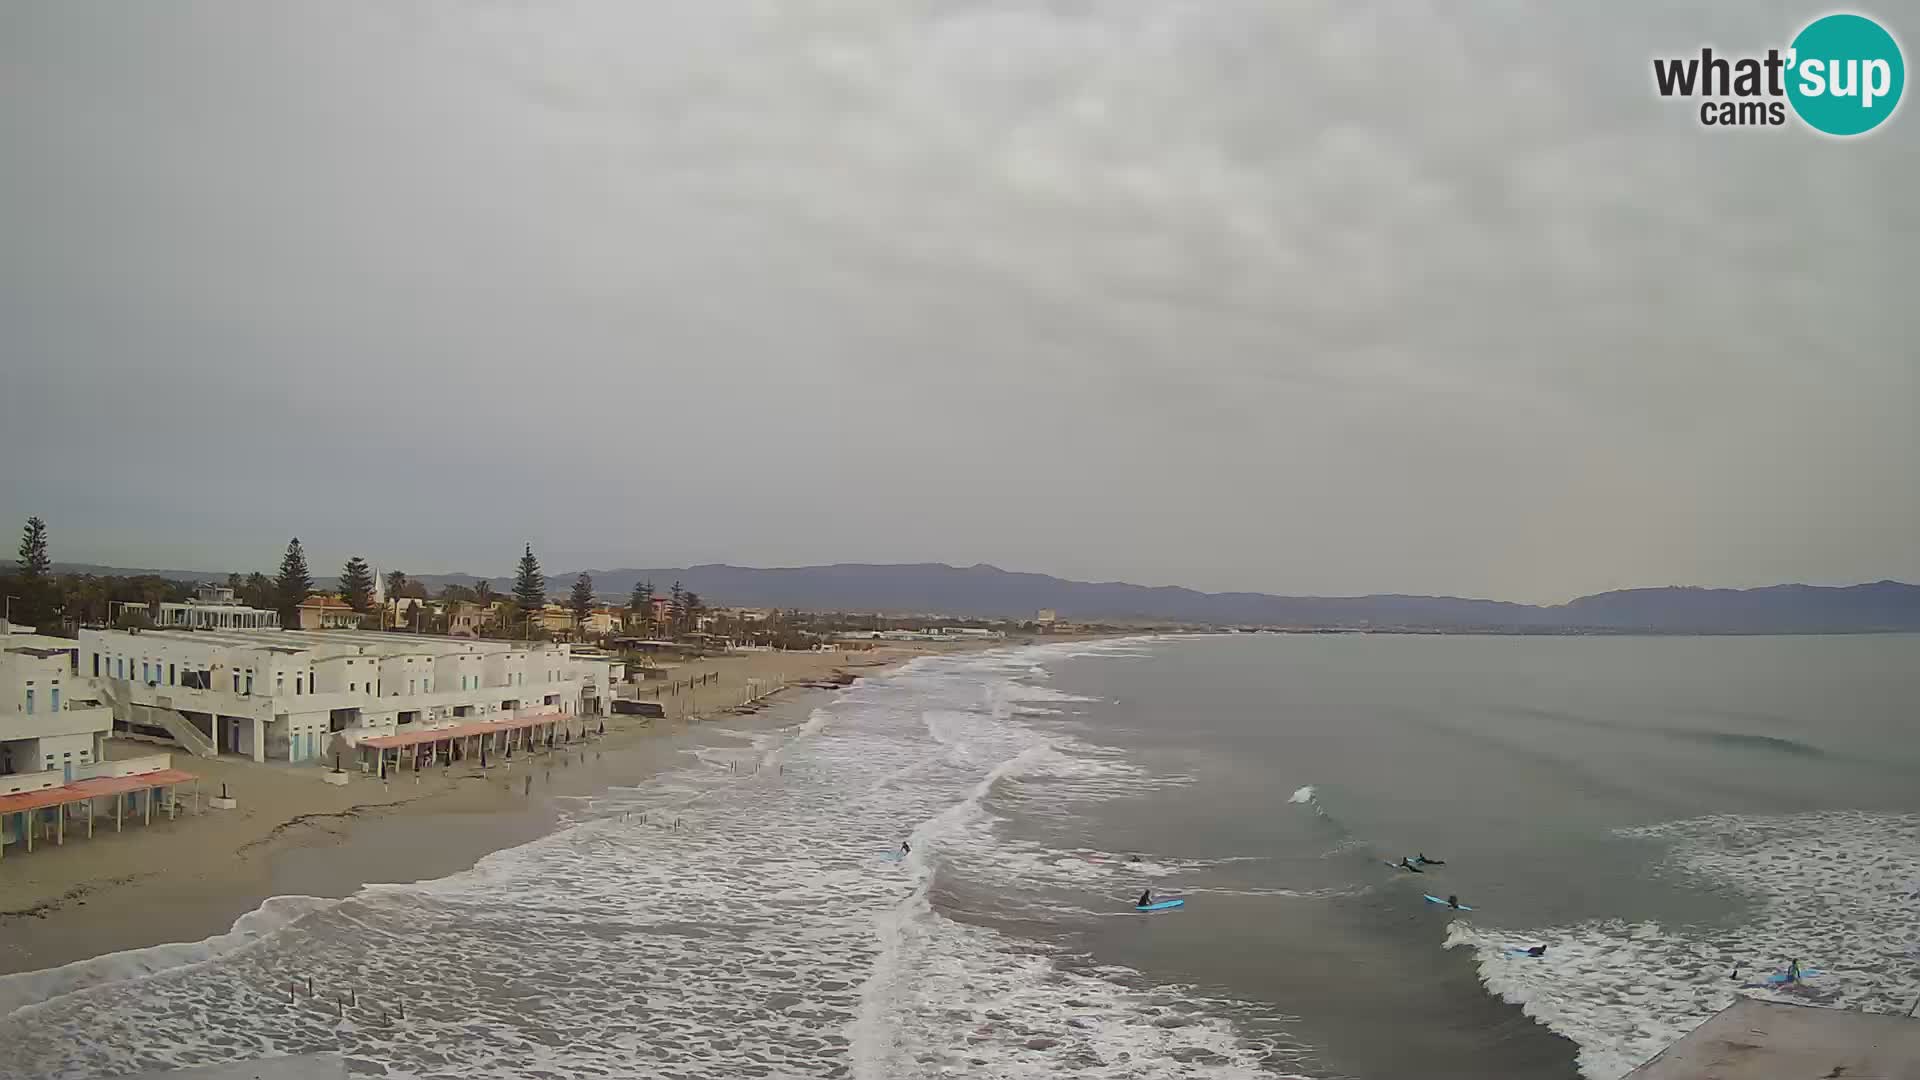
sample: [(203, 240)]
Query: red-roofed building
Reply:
[(325, 613)]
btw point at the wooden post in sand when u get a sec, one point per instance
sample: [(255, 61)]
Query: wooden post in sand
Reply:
[(119, 810), (60, 837), (146, 800), (90, 808)]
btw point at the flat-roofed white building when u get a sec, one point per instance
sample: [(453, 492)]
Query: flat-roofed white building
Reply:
[(291, 695), (213, 607), (51, 721)]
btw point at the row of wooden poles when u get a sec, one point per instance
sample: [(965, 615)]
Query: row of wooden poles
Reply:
[(674, 688), (480, 745), (340, 1002)]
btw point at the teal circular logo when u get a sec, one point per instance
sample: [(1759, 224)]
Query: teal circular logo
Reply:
[(1845, 74)]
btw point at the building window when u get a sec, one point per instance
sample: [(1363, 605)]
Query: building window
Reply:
[(353, 687), (53, 699), (170, 679), (236, 682), (297, 681), (30, 705)]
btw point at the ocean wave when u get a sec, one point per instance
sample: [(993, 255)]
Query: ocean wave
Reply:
[(1622, 991), (32, 989)]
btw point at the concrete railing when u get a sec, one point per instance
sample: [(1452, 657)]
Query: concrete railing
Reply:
[(67, 720), (147, 763), (115, 693), (15, 783)]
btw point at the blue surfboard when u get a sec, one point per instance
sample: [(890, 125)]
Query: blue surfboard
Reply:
[(1780, 977), (1443, 903), (1161, 906)]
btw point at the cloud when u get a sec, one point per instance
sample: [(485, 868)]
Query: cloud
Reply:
[(1330, 298)]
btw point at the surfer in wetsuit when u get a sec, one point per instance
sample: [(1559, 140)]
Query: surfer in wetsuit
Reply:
[(1146, 898), (1405, 864), (1793, 970), (1424, 861), (905, 849), (1537, 950), (1453, 902)]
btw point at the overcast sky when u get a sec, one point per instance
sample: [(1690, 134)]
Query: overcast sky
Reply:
[(1237, 294)]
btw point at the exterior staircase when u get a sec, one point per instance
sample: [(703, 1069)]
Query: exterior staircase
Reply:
[(182, 729), (190, 738)]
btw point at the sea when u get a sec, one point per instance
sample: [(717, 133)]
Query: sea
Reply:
[(1674, 818)]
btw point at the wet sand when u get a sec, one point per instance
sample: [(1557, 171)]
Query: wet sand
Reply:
[(189, 879)]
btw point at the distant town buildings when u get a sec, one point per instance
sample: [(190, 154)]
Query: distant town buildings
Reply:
[(325, 613), (1046, 620), (468, 620)]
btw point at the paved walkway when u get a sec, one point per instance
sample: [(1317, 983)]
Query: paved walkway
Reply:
[(1764, 1040)]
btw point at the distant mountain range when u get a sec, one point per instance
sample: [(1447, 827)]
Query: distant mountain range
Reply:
[(988, 591)]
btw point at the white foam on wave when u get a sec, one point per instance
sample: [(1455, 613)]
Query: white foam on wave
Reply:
[(28, 989), (1302, 795), (1830, 889), (739, 924), (971, 1005)]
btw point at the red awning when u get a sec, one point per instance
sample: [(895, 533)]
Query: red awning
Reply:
[(91, 789), (459, 731)]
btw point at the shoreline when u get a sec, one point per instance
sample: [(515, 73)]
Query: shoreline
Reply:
[(186, 882)]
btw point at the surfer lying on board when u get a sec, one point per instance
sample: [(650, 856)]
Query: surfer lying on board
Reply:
[(1146, 899), (1537, 950), (905, 848), (1424, 861), (1453, 902), (1404, 864)]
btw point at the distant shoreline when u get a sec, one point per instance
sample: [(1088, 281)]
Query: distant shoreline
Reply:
[(929, 592)]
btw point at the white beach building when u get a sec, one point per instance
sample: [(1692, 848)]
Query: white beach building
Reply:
[(296, 695), (50, 720), (213, 607)]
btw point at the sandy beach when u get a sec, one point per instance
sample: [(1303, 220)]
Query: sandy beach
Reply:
[(293, 834)]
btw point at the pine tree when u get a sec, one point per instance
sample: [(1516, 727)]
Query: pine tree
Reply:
[(294, 583), (640, 606), (694, 609), (35, 582), (581, 601), (356, 584), (529, 584), (676, 608)]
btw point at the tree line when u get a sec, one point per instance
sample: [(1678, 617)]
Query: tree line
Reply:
[(37, 596)]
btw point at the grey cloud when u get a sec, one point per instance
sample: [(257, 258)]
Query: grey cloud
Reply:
[(1333, 298)]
